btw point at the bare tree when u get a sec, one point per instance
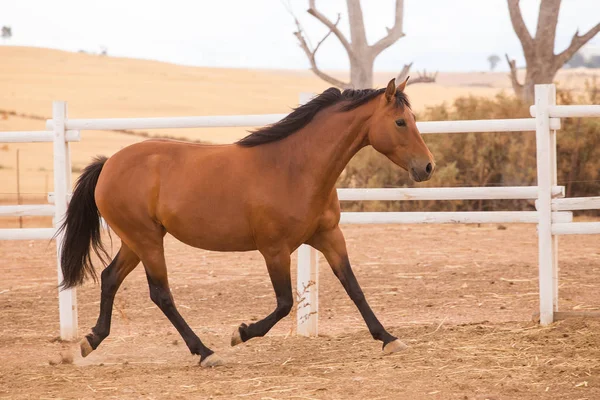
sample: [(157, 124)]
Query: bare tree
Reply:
[(6, 32), (361, 54), (493, 60), (542, 64)]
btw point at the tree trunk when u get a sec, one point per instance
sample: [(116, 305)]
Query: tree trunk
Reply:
[(542, 63), (360, 53), (361, 73), (538, 73)]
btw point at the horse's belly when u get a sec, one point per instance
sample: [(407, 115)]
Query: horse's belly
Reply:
[(212, 232)]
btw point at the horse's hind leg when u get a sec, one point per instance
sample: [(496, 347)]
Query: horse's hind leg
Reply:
[(111, 278), (156, 272), (279, 270)]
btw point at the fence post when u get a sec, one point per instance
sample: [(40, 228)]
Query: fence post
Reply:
[(308, 291), (67, 299), (554, 182), (545, 95), (307, 285)]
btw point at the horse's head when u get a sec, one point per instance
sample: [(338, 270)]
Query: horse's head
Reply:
[(393, 132)]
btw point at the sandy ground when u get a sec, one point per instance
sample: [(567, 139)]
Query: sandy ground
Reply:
[(104, 87), (461, 296)]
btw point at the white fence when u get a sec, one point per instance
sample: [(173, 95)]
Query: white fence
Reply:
[(60, 137), (553, 215)]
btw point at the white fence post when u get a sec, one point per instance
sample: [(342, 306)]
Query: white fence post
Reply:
[(554, 181), (545, 95), (308, 291), (67, 299), (307, 286)]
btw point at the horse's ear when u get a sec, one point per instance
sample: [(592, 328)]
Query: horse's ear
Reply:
[(402, 86), (390, 91)]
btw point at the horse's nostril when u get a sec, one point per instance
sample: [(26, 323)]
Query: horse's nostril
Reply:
[(428, 168)]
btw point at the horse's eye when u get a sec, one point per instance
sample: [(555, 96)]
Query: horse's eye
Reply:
[(400, 122)]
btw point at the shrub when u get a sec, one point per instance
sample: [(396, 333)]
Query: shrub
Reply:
[(488, 159)]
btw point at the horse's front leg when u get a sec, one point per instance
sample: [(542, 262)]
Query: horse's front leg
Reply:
[(278, 265), (333, 246)]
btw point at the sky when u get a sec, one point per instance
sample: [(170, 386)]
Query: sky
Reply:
[(442, 35)]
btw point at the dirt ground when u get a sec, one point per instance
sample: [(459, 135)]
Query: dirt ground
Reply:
[(461, 296)]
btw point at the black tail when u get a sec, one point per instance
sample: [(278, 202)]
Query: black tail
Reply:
[(81, 228)]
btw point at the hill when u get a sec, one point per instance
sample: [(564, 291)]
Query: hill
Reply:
[(97, 86)]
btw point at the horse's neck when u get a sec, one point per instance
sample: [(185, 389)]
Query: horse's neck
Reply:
[(322, 149)]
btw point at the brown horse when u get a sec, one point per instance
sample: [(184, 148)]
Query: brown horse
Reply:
[(271, 192)]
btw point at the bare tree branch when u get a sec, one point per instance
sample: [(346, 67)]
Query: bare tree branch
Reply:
[(423, 78), (393, 34), (312, 10), (360, 54), (311, 56), (517, 86), (516, 18), (576, 43), (404, 73), (326, 36)]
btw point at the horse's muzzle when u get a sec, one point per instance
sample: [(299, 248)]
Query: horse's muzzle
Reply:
[(420, 174)]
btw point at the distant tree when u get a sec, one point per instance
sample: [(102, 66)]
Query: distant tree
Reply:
[(541, 62), (361, 54), (578, 60), (6, 32), (493, 60)]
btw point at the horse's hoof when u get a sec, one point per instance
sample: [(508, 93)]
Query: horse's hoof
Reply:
[(236, 337), (86, 347), (212, 361), (393, 347)]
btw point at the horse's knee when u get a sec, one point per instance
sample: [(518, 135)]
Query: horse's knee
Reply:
[(108, 279), (284, 307), (160, 296)]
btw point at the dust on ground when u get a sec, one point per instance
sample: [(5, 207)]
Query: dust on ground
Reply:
[(461, 296)]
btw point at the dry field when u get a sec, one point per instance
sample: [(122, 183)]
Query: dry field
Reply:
[(103, 87), (461, 296)]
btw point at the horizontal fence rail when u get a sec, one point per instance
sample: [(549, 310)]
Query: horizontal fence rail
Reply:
[(27, 210), (216, 121), (572, 111), (447, 193), (441, 217), (27, 233), (576, 228), (219, 121), (483, 125), (576, 203), (36, 136)]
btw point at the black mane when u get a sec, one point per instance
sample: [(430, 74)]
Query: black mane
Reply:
[(303, 114)]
